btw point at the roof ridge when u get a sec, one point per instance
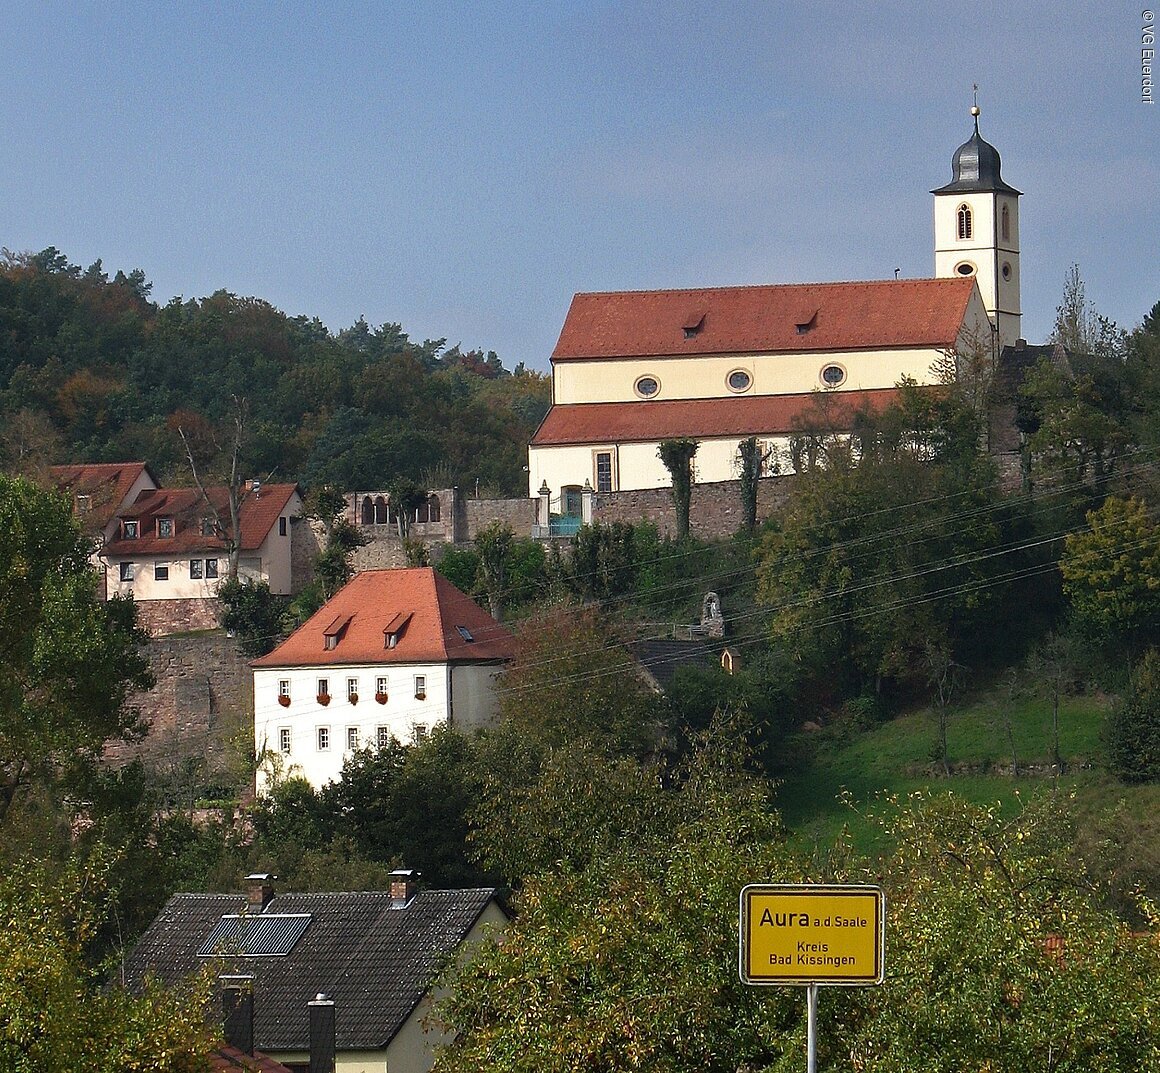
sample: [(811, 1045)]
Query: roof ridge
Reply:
[(783, 286)]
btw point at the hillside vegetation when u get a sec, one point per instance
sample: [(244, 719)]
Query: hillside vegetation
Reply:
[(92, 370)]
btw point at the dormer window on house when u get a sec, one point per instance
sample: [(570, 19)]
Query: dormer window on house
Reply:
[(130, 529), (694, 322), (83, 504), (208, 526), (335, 632), (394, 630), (165, 527), (806, 322)]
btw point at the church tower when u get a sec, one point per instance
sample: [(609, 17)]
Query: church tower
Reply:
[(976, 232)]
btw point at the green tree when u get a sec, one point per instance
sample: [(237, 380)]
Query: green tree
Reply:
[(752, 462), (871, 562), (70, 662), (1133, 731), (1111, 573), (251, 611), (571, 681), (54, 1012), (623, 951), (1001, 954), (677, 456)]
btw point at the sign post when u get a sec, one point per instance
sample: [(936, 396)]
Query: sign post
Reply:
[(812, 935)]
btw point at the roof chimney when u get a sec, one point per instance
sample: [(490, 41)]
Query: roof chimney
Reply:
[(238, 1011), (322, 1041), (259, 890), (404, 885)]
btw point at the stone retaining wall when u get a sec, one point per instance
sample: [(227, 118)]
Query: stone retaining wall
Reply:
[(201, 705)]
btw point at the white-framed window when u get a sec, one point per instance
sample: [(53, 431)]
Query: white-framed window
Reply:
[(211, 568), (352, 739), (160, 571), (284, 740), (382, 737), (125, 571), (283, 687), (196, 569), (381, 684), (83, 503), (420, 687), (419, 733), (323, 734), (352, 688), (602, 468), (324, 687)]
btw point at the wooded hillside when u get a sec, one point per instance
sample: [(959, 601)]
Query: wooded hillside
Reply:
[(92, 370)]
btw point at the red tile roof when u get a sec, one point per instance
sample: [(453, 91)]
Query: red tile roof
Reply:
[(749, 415), (187, 509), (105, 483), (421, 604), (771, 319)]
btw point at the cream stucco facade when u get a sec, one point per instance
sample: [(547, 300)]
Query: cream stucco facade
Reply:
[(176, 579), (620, 464)]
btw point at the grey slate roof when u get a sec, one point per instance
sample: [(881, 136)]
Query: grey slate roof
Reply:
[(976, 168), (376, 962)]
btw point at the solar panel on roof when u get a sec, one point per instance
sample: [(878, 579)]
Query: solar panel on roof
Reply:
[(265, 935)]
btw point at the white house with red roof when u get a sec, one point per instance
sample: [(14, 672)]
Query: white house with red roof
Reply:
[(168, 550), (393, 654), (722, 364)]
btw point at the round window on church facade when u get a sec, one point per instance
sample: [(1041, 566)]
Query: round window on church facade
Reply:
[(739, 380), (833, 376), (965, 268), (1006, 269), (647, 386)]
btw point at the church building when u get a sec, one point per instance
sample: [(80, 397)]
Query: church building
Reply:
[(722, 364)]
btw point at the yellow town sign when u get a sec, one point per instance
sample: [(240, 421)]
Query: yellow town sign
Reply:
[(812, 934)]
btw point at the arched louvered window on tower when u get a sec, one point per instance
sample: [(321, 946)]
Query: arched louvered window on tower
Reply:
[(1005, 222), (966, 225)]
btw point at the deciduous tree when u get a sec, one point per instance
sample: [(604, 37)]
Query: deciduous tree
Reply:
[(69, 661)]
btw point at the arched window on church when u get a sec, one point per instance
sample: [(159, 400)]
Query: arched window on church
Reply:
[(1005, 222), (368, 511), (965, 224), (380, 511)]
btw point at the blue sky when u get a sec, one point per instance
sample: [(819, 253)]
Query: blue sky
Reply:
[(463, 169)]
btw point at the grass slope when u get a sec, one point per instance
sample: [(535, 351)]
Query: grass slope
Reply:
[(848, 768)]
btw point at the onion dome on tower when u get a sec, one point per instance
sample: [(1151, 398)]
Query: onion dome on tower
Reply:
[(975, 167)]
